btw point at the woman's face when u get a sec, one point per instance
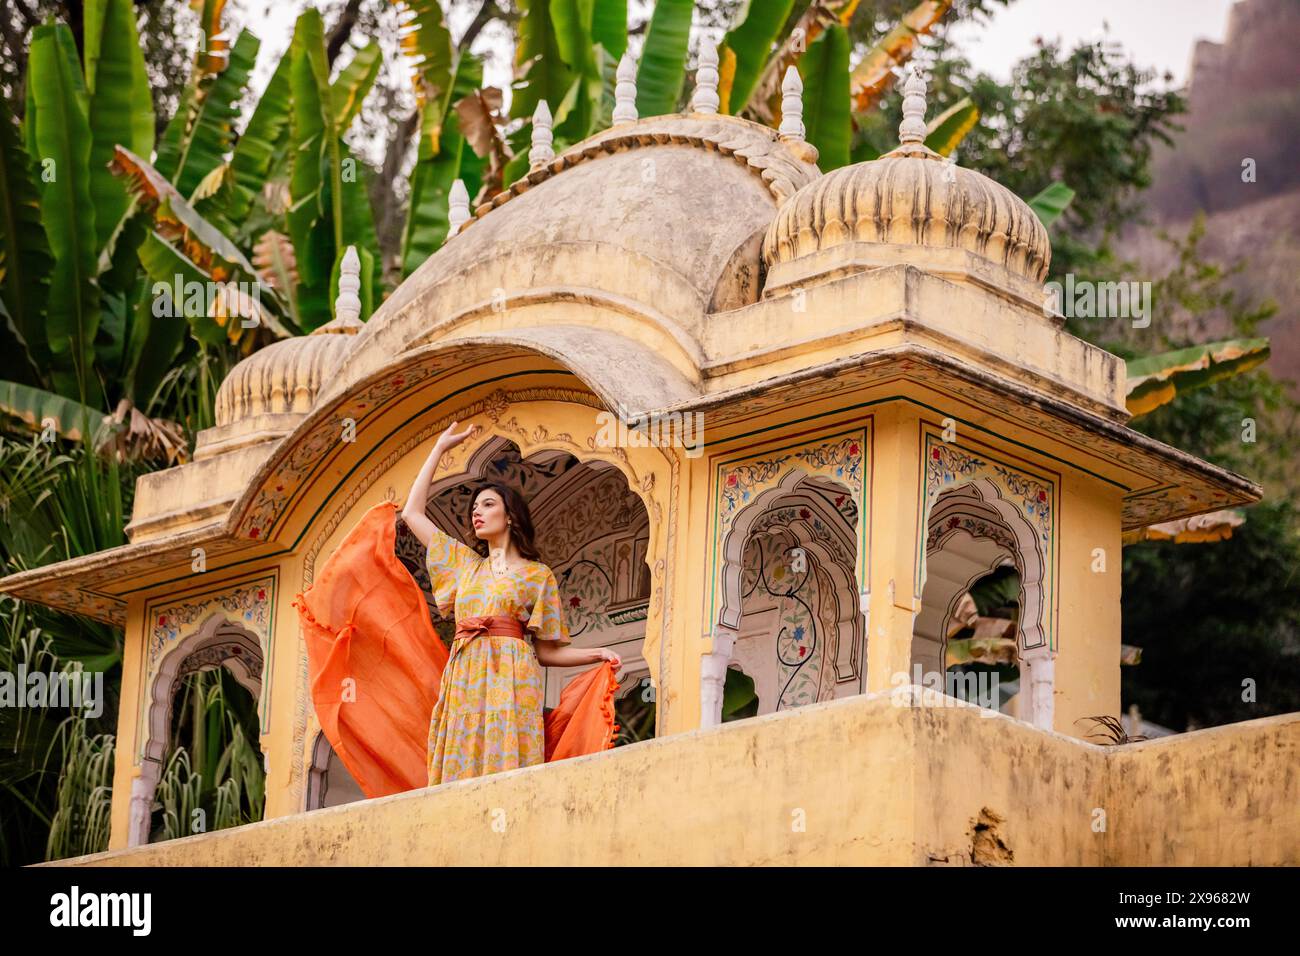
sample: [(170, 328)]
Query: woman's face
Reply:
[(489, 514)]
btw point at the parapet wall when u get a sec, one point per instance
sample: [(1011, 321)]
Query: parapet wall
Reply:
[(860, 780)]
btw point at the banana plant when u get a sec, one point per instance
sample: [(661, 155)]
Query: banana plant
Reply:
[(566, 52), (67, 274), (329, 205), (442, 78)]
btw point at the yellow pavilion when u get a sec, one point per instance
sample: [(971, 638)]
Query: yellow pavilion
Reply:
[(768, 420)]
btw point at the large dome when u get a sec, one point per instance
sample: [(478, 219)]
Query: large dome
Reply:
[(685, 197)]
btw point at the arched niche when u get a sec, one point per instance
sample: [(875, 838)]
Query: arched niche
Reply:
[(216, 642), (978, 515), (329, 784), (807, 510)]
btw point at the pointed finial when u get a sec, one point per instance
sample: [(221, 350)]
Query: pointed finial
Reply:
[(706, 99), (457, 207), (912, 129), (791, 105), (541, 153), (625, 91), (347, 306)]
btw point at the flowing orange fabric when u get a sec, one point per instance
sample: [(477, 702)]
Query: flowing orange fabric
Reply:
[(371, 647)]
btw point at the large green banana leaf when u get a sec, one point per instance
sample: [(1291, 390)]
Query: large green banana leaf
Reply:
[(1049, 204), (353, 83), (662, 69), (315, 215), (825, 71), (34, 407), (946, 131), (261, 147), (121, 105), (748, 45), (426, 44), (25, 261), (59, 136), (180, 242), (537, 61), (1158, 379), (609, 26), (874, 73), (212, 134), (442, 152)]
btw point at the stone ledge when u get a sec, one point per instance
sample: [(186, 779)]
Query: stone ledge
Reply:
[(853, 781)]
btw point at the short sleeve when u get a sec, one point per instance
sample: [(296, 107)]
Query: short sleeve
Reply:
[(547, 620), (446, 559)]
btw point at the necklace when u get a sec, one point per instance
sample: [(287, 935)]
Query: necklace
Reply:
[(497, 561)]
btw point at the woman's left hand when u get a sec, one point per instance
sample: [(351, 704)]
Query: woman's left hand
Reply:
[(605, 654)]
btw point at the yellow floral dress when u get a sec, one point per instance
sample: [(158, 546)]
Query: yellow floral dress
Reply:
[(488, 716)]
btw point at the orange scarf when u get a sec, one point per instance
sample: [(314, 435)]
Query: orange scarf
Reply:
[(371, 646)]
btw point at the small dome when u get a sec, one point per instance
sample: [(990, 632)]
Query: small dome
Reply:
[(911, 196), (285, 376)]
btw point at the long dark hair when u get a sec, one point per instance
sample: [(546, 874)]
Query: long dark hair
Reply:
[(521, 522)]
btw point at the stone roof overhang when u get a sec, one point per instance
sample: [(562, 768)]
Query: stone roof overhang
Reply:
[(250, 526), (1173, 483)]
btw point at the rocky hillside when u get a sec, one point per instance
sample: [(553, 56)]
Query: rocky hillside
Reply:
[(1244, 97)]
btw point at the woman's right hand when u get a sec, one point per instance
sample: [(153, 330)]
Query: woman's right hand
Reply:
[(451, 438)]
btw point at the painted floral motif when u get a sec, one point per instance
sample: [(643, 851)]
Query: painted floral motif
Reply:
[(797, 646), (840, 460), (247, 604), (947, 465), (821, 532), (975, 526)]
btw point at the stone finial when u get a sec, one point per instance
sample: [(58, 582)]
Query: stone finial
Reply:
[(347, 306), (457, 207), (705, 99), (912, 129), (541, 153), (792, 105), (625, 91)]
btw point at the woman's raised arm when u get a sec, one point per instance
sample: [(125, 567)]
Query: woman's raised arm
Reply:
[(413, 511)]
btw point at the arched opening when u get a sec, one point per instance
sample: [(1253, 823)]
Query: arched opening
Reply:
[(592, 529), (202, 766), (981, 592), (800, 634)]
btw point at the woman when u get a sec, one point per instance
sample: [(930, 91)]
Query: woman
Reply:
[(488, 716)]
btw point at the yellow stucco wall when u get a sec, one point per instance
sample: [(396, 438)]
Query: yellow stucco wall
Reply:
[(854, 781), (388, 454)]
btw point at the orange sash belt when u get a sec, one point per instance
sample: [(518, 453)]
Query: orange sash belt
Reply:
[(501, 625), (375, 665)]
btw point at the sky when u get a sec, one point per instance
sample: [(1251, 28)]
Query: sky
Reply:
[(1159, 34)]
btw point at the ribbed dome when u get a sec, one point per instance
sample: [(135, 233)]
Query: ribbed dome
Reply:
[(285, 376), (911, 196)]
